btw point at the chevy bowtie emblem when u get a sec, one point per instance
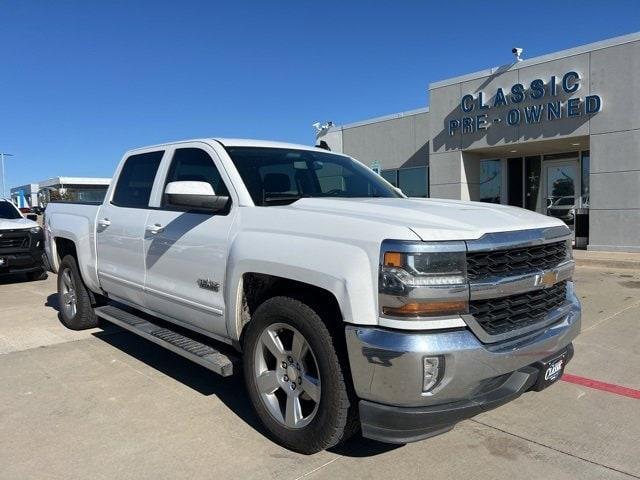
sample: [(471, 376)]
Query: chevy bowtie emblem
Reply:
[(547, 279)]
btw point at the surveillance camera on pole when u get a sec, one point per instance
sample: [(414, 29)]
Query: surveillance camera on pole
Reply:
[(517, 51), (322, 128)]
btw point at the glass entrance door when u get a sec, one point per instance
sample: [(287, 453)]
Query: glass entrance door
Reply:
[(562, 189)]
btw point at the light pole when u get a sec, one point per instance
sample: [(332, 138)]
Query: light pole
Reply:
[(2, 155)]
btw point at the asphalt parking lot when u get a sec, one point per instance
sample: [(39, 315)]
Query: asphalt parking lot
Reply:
[(105, 404)]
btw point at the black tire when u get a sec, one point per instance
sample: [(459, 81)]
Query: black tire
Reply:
[(84, 316), (336, 417), (37, 275)]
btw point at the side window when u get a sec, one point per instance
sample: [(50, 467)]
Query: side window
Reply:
[(194, 164), (136, 180)]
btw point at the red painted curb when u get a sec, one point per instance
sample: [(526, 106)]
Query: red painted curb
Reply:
[(605, 387)]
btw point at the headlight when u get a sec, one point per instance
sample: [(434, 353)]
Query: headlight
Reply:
[(35, 230), (423, 279)]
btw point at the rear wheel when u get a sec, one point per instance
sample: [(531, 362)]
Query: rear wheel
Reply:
[(295, 378), (76, 311)]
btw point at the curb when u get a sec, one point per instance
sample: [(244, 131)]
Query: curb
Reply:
[(608, 263)]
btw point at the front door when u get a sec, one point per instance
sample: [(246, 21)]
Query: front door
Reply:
[(186, 251), (561, 181), (120, 229)]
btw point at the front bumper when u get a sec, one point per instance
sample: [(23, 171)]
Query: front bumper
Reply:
[(387, 371), (406, 424), (24, 260)]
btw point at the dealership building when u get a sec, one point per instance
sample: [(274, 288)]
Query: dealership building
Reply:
[(553, 134), (75, 189)]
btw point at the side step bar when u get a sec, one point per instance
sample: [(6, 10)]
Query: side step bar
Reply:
[(200, 353)]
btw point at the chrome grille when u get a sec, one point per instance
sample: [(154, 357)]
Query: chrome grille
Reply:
[(501, 315), (14, 239), (515, 261)]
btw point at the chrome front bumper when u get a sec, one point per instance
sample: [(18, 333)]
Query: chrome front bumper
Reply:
[(387, 365)]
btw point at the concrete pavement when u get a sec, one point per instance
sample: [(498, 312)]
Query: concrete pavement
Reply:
[(106, 404)]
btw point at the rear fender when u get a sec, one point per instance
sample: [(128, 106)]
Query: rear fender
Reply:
[(79, 230)]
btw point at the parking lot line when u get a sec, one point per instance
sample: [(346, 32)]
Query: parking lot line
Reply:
[(605, 387)]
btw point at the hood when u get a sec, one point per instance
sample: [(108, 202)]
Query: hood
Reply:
[(6, 224), (432, 219)]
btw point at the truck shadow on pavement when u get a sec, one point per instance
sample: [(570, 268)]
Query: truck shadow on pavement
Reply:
[(11, 278), (230, 390)]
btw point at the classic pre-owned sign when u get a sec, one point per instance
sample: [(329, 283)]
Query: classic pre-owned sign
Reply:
[(479, 111)]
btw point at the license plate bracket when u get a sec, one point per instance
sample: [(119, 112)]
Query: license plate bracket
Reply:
[(550, 371)]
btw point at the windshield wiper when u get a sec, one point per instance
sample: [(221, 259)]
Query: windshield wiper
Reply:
[(288, 198)]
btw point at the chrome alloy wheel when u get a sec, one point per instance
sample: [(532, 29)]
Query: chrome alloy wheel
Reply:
[(68, 298), (287, 375)]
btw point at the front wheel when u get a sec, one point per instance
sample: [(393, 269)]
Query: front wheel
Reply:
[(76, 311), (295, 378)]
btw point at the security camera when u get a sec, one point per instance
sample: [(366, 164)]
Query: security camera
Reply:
[(517, 51), (320, 128)]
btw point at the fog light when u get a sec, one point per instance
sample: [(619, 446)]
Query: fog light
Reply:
[(431, 372)]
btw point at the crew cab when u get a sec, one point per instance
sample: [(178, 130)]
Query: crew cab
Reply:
[(21, 243), (348, 306)]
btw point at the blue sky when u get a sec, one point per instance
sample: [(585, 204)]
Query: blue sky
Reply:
[(83, 81)]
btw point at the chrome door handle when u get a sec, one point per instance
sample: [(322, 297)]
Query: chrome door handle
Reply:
[(155, 229), (105, 222)]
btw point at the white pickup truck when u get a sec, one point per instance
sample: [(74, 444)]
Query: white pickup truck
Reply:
[(347, 305)]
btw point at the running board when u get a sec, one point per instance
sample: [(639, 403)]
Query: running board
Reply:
[(200, 353)]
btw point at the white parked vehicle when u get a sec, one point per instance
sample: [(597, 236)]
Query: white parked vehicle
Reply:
[(348, 305), (21, 243)]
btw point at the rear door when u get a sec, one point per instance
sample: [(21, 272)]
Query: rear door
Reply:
[(121, 225), (186, 251)]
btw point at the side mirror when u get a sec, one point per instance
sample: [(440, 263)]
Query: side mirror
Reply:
[(194, 195), (32, 216)]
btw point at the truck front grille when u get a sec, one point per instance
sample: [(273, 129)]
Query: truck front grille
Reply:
[(14, 239), (501, 315), (515, 261)]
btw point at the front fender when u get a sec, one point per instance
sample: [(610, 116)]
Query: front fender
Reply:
[(345, 270)]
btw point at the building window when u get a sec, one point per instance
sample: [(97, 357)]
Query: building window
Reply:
[(514, 182), (390, 176), (490, 181), (413, 181), (532, 166), (585, 168)]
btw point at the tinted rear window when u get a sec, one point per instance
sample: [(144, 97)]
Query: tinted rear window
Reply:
[(136, 180)]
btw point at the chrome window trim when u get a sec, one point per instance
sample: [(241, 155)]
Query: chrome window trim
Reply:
[(496, 287), (490, 242)]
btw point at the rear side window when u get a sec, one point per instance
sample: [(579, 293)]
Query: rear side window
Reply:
[(136, 180), (195, 165)]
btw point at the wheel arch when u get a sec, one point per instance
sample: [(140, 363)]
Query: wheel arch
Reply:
[(256, 288), (62, 246), (316, 268)]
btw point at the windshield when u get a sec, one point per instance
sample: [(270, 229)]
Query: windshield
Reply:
[(279, 176), (8, 211)]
